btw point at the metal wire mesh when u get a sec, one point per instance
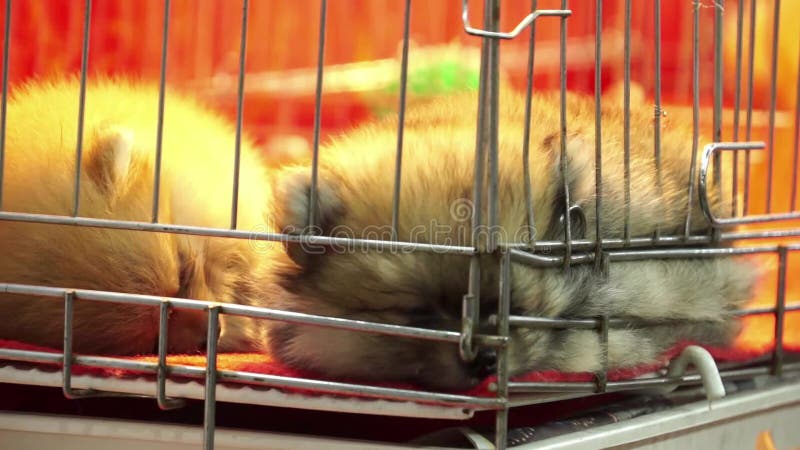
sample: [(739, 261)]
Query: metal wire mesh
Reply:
[(565, 252)]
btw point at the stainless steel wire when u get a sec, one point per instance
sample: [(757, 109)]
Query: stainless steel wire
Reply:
[(751, 44), (687, 230), (657, 100), (87, 20), (526, 136), (160, 122), (719, 6), (598, 131), (503, 313), (239, 114), (401, 116), (312, 193), (563, 137), (626, 136), (163, 402), (737, 97), (210, 402)]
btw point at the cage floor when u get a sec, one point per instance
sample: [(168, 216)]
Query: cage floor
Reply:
[(260, 393)]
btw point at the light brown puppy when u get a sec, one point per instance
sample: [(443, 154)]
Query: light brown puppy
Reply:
[(117, 182), (426, 289)]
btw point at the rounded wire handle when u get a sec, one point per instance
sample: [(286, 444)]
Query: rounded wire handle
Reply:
[(517, 30), (705, 365)]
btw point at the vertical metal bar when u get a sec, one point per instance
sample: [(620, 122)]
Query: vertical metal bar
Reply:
[(503, 312), (66, 373), (69, 297), (796, 140), (492, 149), (772, 103), (312, 194), (749, 120), (695, 114), (6, 41), (719, 6), (401, 117), (657, 99), (209, 406), (563, 123), (526, 163), (87, 17), (164, 403), (239, 114), (736, 107), (601, 378), (627, 121), (780, 310), (470, 307), (598, 133), (161, 94)]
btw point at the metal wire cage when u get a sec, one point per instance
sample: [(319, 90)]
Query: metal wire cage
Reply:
[(563, 253)]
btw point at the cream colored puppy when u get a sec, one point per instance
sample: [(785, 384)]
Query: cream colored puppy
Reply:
[(692, 298), (117, 182)]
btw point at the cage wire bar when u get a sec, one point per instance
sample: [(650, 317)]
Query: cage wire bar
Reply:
[(87, 20), (569, 251), (749, 118), (737, 100), (162, 84)]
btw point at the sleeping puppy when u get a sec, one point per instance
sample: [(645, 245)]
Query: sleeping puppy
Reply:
[(117, 182), (691, 299)]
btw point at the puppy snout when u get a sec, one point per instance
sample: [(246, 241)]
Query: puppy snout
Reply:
[(485, 363), (188, 332)]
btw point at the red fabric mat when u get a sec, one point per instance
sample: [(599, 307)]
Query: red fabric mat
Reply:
[(751, 344)]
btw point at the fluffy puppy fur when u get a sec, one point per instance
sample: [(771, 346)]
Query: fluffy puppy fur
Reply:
[(117, 182), (692, 299)]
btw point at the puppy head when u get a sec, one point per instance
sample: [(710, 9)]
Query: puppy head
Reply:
[(408, 288)]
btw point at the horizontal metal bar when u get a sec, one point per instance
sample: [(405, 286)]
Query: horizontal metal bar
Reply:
[(31, 356), (718, 222), (681, 253), (790, 306), (769, 234), (237, 234), (626, 385), (529, 19), (595, 324), (577, 244), (332, 387), (253, 311), (550, 386), (642, 242), (640, 254)]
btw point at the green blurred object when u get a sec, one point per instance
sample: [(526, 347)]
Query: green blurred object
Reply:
[(438, 78)]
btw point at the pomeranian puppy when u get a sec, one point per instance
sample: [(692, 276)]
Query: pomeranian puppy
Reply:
[(117, 173), (688, 300)]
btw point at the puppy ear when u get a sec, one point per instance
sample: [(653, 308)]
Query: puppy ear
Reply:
[(110, 158), (291, 208), (579, 172)]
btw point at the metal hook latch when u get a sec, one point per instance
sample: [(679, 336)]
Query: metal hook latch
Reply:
[(577, 219), (517, 30)]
